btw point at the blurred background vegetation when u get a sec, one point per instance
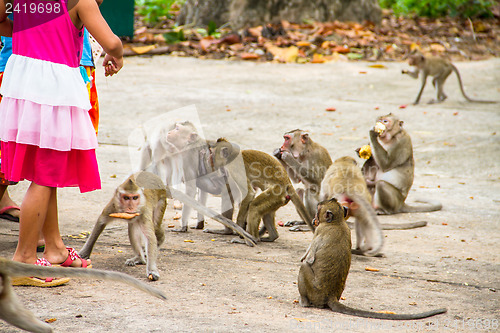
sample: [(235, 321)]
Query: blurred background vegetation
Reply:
[(154, 12)]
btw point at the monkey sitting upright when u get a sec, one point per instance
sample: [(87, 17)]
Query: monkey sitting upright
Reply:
[(326, 263), (439, 69), (140, 200), (394, 168)]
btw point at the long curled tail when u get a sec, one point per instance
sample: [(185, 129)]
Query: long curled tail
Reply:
[(427, 206), (344, 309), (462, 89)]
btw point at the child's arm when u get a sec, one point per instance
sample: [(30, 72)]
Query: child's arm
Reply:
[(89, 14), (5, 22)]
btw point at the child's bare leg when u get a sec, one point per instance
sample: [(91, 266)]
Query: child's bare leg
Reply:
[(32, 217), (6, 201), (55, 250)]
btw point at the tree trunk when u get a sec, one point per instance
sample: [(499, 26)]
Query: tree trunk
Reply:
[(246, 13)]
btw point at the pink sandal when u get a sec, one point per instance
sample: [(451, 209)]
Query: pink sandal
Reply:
[(39, 282), (72, 256)]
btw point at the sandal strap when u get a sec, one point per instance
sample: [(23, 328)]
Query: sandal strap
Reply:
[(72, 256), (43, 262)]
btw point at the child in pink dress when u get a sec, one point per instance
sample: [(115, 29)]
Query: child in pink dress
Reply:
[(47, 136)]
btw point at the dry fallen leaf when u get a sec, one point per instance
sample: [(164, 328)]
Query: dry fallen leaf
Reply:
[(387, 312), (403, 106), (143, 49), (177, 216), (249, 56), (377, 66), (51, 320), (188, 241), (331, 109)]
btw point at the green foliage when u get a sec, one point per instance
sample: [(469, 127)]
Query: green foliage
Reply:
[(154, 11), (439, 8)]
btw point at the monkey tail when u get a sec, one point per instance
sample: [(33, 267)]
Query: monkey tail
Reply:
[(462, 88), (344, 309), (428, 206), (369, 218), (14, 268), (299, 206)]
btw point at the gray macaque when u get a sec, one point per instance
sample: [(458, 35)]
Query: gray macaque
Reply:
[(141, 201), (439, 68), (326, 263), (344, 181), (393, 155), (305, 162)]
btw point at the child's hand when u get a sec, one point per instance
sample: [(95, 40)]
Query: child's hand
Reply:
[(112, 65)]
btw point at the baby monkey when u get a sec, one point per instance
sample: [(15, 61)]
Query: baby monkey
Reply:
[(326, 264), (439, 69)]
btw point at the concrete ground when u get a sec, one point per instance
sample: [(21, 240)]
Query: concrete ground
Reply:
[(215, 286)]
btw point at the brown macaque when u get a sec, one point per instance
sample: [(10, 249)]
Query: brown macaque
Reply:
[(326, 263), (261, 172), (344, 182), (141, 201), (305, 162), (394, 166), (439, 68), (14, 313)]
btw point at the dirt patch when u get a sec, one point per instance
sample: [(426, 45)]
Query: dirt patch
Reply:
[(213, 285)]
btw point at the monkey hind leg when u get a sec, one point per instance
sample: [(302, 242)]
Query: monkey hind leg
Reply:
[(265, 203), (13, 312), (369, 238), (270, 226), (387, 198), (137, 242)]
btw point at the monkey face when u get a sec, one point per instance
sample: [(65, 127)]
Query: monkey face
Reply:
[(295, 142), (130, 202), (181, 135)]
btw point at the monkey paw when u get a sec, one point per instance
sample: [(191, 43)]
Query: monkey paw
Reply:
[(238, 240), (135, 261), (153, 276), (181, 229)]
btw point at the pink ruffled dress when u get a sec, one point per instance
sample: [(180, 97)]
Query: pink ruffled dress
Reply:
[(46, 133)]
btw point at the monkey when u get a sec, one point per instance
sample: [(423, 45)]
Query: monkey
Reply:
[(439, 68), (179, 154), (262, 172), (141, 199), (326, 263), (344, 181), (14, 313), (305, 161), (394, 166)]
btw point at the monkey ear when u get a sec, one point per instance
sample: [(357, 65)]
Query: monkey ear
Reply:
[(304, 137), (346, 211), (193, 137), (401, 123), (225, 152), (329, 216)]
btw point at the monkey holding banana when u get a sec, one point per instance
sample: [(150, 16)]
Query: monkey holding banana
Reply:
[(439, 68), (141, 201), (13, 312), (393, 167), (326, 263)]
